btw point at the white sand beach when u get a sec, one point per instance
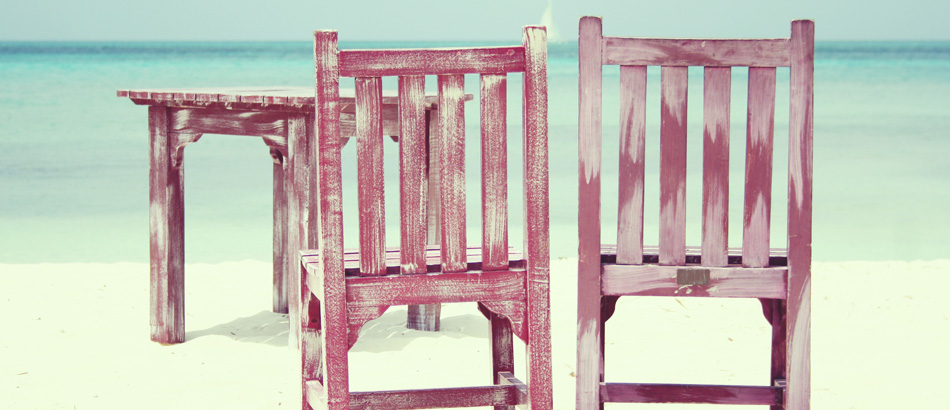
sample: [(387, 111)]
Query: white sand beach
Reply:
[(77, 338)]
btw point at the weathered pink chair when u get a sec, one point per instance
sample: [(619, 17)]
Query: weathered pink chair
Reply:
[(780, 278), (342, 290)]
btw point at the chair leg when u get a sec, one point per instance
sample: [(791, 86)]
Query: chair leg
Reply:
[(607, 306), (775, 309), (540, 387), (502, 348), (311, 353), (798, 350)]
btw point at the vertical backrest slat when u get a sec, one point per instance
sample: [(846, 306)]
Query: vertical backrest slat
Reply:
[(717, 88), (413, 175), (673, 165), (758, 173), (494, 172), (633, 98), (369, 159), (452, 175)]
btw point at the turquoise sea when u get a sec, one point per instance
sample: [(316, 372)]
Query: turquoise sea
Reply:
[(74, 169)]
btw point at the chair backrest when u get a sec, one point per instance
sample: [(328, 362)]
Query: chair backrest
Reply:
[(411, 66), (633, 55)]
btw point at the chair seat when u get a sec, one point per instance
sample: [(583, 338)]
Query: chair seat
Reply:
[(501, 291), (351, 259)]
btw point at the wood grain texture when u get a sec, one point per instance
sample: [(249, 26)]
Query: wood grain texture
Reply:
[(413, 173), (588, 215), (167, 235), (494, 171), (419, 289), (685, 393), (717, 90), (329, 185), (696, 52), (727, 282), (301, 228), (452, 176), (536, 225), (758, 172), (280, 251), (633, 99), (202, 121), (437, 398), (369, 159), (357, 63), (502, 347), (800, 172), (673, 165)]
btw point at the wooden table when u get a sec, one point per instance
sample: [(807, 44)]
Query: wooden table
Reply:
[(283, 117)]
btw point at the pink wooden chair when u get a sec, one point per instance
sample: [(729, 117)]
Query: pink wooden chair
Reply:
[(342, 290), (779, 278)]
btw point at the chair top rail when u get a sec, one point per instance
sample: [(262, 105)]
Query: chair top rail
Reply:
[(696, 52), (433, 61)]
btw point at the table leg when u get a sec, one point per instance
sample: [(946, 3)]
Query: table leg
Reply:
[(280, 234), (426, 317), (301, 227), (167, 238)]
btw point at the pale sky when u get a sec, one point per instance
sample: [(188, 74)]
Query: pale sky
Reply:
[(294, 20)]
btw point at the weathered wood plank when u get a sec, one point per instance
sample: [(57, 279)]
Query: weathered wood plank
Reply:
[(685, 393), (330, 188), (726, 282), (800, 172), (673, 165), (203, 121), (435, 288), (311, 258), (717, 89), (369, 159), (280, 251), (696, 52), (167, 234), (777, 256), (633, 98), (452, 176), (412, 173), (758, 173), (588, 215), (365, 63), (436, 398), (537, 225), (494, 171), (302, 233)]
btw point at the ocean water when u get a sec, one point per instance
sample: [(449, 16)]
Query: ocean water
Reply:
[(74, 157)]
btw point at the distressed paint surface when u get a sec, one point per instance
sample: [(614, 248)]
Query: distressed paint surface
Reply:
[(673, 165), (685, 393), (494, 171), (167, 235), (452, 176), (780, 278), (355, 63), (413, 173), (717, 89), (696, 52), (512, 288), (758, 174), (588, 215), (633, 89), (330, 221), (369, 160), (801, 129)]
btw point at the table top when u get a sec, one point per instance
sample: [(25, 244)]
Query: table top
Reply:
[(247, 97)]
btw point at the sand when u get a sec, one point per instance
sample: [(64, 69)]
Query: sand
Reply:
[(76, 337)]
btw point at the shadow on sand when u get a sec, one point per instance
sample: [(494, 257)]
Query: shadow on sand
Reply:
[(265, 327)]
